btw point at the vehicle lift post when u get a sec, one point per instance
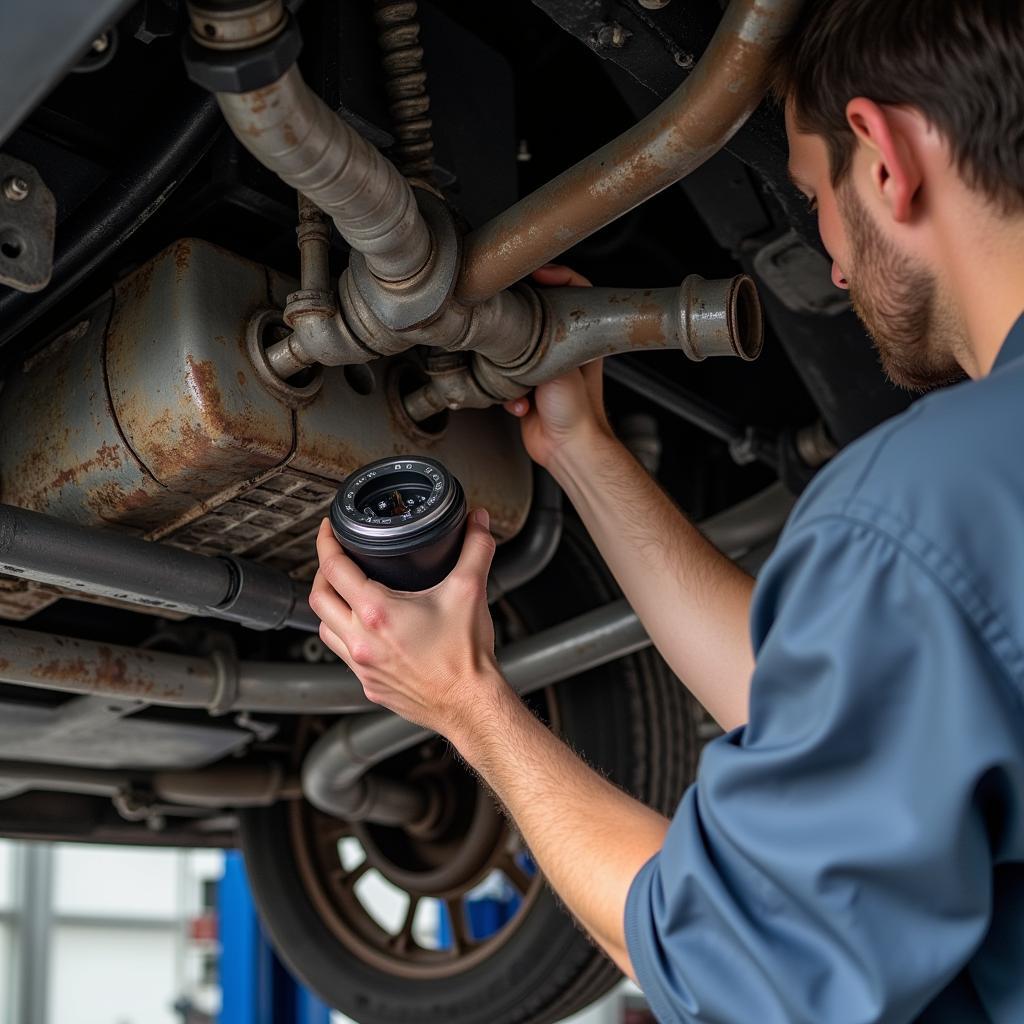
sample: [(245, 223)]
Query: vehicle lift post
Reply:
[(256, 988)]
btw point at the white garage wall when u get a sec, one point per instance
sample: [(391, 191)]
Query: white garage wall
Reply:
[(117, 881), (7, 911), (113, 975), (118, 948)]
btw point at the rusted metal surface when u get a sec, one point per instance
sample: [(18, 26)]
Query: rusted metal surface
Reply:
[(189, 446), (221, 27), (405, 83), (699, 318), (178, 371), (21, 599), (63, 453), (674, 139), (291, 131), (319, 333), (273, 522), (118, 673), (574, 326), (45, 661), (342, 430)]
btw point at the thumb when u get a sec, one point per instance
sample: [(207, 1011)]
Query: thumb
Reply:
[(477, 548)]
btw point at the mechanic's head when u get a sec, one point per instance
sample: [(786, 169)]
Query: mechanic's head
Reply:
[(906, 131)]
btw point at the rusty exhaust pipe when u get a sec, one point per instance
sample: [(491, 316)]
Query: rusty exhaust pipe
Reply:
[(673, 140), (293, 133), (700, 318)]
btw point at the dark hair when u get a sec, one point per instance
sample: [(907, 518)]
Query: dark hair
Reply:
[(960, 62)]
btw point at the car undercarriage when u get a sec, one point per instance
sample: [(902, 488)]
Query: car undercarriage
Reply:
[(246, 249)]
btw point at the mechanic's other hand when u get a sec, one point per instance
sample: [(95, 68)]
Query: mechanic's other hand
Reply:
[(427, 656), (568, 412)]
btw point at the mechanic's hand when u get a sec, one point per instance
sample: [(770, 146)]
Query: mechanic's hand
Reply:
[(428, 656), (566, 412)]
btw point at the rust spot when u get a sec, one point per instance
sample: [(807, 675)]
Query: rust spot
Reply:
[(646, 329), (110, 671), (111, 499), (241, 378), (135, 287), (108, 457), (182, 258), (288, 134)]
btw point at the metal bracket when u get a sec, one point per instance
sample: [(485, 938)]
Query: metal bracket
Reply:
[(799, 276), (28, 219)]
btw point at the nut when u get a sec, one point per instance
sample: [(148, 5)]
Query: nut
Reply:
[(15, 188), (613, 35)]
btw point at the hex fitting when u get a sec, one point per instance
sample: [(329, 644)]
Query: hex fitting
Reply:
[(240, 48)]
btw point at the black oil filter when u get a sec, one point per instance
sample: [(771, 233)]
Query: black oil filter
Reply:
[(402, 521)]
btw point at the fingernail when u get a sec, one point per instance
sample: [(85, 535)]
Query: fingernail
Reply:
[(482, 517)]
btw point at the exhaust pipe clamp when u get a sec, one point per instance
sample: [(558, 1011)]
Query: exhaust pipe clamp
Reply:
[(401, 305)]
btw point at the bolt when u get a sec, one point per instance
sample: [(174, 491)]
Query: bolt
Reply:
[(523, 154), (15, 188), (654, 5), (612, 34), (101, 43)]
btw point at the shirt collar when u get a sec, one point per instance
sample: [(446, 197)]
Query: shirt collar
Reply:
[(1013, 346)]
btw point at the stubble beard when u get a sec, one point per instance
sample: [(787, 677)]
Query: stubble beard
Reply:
[(898, 300)]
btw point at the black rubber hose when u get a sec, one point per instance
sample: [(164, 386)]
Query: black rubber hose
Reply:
[(35, 546), (119, 207), (528, 554)]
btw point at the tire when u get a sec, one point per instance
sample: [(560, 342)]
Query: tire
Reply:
[(631, 719)]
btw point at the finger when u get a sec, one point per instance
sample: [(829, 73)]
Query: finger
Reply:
[(339, 570), (321, 585), (518, 406), (556, 275), (477, 548), (334, 642), (328, 606)]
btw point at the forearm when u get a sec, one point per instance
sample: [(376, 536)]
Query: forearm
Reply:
[(693, 601), (588, 837)]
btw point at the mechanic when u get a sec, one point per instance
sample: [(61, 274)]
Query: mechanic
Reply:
[(853, 848)]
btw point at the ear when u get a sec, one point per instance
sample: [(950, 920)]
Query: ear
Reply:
[(896, 172)]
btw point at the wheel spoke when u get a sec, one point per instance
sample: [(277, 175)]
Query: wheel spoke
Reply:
[(515, 874), (348, 877), (460, 934), (404, 939), (329, 834)]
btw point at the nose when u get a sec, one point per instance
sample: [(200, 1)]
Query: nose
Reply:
[(838, 277)]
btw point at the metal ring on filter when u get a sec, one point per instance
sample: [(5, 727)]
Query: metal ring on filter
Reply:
[(393, 527)]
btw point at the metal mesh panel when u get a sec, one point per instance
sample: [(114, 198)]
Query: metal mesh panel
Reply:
[(274, 522)]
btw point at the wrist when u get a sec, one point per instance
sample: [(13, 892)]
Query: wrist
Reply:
[(486, 720), (575, 458)]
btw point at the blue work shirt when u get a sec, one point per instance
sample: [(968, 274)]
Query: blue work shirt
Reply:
[(855, 853)]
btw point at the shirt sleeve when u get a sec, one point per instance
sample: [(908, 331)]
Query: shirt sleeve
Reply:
[(833, 860)]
